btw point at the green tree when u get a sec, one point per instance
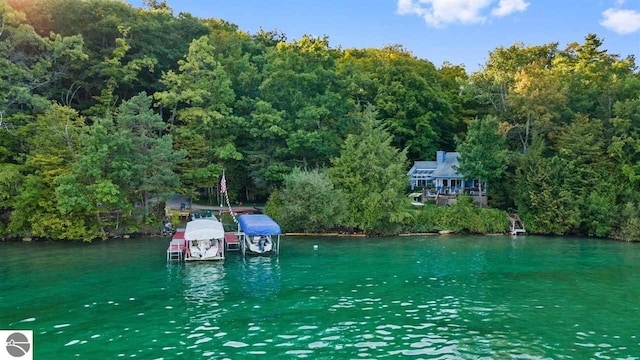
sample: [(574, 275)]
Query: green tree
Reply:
[(103, 163), (536, 102), (160, 6), (372, 175), (307, 202), (592, 181), (594, 77), (199, 97), (625, 142), (496, 79), (31, 64), (154, 34), (482, 155), (301, 87), (544, 200), (457, 86), (125, 160), (153, 157), (629, 229), (117, 73), (53, 148), (407, 94)]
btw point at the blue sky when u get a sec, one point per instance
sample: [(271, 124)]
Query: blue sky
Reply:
[(457, 31)]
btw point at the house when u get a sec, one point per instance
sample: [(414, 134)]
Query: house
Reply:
[(421, 174), (441, 175)]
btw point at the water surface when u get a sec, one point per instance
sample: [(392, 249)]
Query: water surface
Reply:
[(443, 297)]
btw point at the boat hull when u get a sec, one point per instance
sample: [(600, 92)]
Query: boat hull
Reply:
[(205, 250), (256, 245)]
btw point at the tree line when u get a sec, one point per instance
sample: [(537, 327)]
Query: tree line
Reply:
[(106, 109)]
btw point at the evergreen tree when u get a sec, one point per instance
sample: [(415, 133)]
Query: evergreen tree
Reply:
[(372, 175)]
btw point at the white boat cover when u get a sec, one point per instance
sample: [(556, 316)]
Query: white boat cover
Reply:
[(203, 229)]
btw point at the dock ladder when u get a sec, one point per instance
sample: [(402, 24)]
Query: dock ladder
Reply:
[(177, 246), (175, 253), (517, 226)]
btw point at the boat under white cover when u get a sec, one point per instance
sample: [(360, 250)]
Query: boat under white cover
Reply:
[(205, 240)]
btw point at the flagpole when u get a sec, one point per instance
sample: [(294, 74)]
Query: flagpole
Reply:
[(222, 189), (225, 196)]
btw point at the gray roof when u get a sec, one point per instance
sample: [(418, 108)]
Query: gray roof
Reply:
[(422, 165), (446, 168)]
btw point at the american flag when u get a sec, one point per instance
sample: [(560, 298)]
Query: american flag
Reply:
[(223, 184)]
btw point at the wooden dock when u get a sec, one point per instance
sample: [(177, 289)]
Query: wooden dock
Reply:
[(182, 213)]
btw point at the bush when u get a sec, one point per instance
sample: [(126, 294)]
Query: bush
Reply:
[(460, 217), (308, 202), (629, 228)]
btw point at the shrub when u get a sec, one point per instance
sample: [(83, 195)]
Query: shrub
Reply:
[(308, 202), (461, 217), (629, 228)]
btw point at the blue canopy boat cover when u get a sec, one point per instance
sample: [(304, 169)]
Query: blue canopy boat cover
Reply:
[(261, 224)]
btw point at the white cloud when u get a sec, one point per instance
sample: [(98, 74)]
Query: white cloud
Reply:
[(508, 7), (621, 21), (439, 13)]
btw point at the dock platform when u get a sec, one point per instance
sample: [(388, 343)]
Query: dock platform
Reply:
[(231, 241)]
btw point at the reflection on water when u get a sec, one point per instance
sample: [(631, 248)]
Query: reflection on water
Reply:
[(261, 277), (204, 291), (204, 282)]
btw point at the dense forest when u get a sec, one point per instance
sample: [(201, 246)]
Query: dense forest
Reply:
[(106, 109)]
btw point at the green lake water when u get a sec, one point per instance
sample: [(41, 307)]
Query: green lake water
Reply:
[(438, 297)]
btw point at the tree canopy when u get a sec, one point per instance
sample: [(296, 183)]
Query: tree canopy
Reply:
[(105, 109)]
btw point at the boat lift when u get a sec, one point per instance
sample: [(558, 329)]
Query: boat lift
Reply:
[(260, 226)]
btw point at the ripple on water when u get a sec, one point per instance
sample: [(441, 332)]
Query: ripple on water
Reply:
[(330, 338), (287, 344), (72, 342), (235, 344), (203, 340), (318, 344), (449, 350), (299, 352), (307, 327), (370, 344)]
